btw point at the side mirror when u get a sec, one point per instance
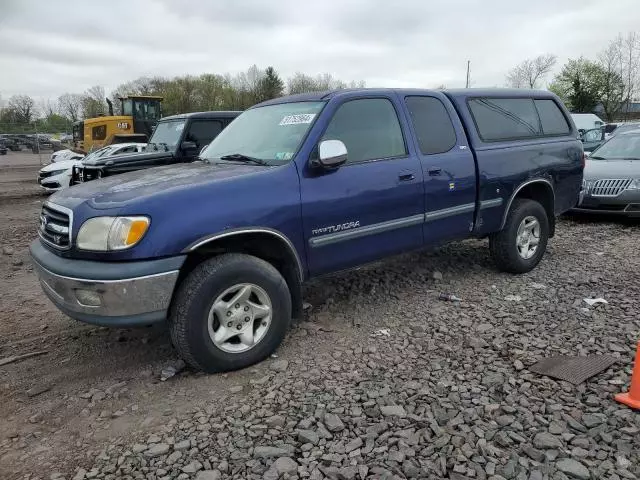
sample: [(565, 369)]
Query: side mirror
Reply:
[(331, 154), (188, 147)]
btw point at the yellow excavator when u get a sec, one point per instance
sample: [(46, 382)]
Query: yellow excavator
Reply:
[(140, 113)]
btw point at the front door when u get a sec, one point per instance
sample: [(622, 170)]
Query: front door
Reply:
[(448, 167), (373, 205)]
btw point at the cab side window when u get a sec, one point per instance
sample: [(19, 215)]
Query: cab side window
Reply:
[(203, 131), (369, 128)]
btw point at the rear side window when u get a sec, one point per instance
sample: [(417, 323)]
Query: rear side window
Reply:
[(505, 118), (432, 124), (369, 128), (551, 117)]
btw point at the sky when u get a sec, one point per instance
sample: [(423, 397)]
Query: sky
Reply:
[(49, 48)]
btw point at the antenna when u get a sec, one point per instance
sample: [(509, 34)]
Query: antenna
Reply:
[(468, 67)]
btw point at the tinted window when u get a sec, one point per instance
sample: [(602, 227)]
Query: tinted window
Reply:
[(553, 121), (505, 118), (369, 128), (129, 149), (203, 131), (99, 132), (432, 124)]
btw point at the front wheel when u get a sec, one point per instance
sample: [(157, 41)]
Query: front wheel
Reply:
[(520, 245), (230, 312)]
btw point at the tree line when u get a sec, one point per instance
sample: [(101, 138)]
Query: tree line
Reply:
[(611, 80), (181, 94)]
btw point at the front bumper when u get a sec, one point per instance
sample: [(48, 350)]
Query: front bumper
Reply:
[(626, 203), (55, 182), (114, 294)]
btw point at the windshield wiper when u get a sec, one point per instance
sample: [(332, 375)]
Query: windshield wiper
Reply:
[(239, 157), (595, 157)]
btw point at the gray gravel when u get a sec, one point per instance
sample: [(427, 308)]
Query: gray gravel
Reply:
[(446, 395)]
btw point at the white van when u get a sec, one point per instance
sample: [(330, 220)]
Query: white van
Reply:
[(587, 121)]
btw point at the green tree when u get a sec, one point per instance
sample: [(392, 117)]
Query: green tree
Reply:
[(270, 85), (580, 84)]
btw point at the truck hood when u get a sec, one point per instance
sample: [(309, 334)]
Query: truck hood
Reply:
[(599, 169), (121, 190), (117, 159)]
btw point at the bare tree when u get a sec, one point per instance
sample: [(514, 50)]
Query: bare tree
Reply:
[(94, 102), (630, 56), (530, 72), (614, 89), (301, 83), (70, 105), (23, 107), (48, 108)]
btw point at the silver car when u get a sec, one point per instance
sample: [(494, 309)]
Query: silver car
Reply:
[(612, 177)]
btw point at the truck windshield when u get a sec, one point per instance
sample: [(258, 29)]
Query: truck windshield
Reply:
[(272, 133), (620, 147), (167, 134)]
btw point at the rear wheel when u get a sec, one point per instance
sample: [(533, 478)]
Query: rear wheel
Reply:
[(230, 312), (519, 247)]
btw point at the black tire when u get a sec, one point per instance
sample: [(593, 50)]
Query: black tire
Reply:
[(502, 245), (195, 296)]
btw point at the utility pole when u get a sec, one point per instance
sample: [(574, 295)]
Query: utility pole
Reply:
[(468, 66)]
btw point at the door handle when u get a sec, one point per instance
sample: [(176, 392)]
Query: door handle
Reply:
[(406, 177), (434, 171)]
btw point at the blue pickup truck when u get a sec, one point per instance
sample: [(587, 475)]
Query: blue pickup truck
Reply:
[(302, 186)]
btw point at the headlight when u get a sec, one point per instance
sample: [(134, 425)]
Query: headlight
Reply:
[(111, 233), (635, 184), (53, 173)]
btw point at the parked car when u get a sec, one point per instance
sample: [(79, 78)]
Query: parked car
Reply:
[(303, 186), (612, 177), (625, 127), (587, 121), (57, 175), (3, 148), (12, 143), (592, 139), (176, 139)]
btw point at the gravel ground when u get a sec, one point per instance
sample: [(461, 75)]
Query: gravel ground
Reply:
[(381, 379)]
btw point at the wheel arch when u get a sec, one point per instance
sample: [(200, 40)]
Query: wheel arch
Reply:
[(540, 190), (262, 242)]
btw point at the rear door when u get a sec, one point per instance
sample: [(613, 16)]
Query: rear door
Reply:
[(373, 205), (448, 167)]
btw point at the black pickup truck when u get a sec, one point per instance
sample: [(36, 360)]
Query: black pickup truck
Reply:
[(176, 139)]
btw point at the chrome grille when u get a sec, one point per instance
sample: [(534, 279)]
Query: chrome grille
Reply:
[(55, 226), (611, 187)]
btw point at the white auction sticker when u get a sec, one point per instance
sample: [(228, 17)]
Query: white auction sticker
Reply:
[(298, 119)]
